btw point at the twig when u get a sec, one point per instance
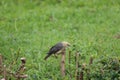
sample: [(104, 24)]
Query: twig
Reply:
[(88, 70), (69, 59), (63, 63), (0, 59), (91, 60), (4, 72), (0, 62), (81, 73), (77, 66), (22, 66), (21, 69), (69, 63)]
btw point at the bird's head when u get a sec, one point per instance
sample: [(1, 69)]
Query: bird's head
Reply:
[(66, 44)]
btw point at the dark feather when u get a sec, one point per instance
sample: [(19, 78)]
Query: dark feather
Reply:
[(47, 56), (54, 49)]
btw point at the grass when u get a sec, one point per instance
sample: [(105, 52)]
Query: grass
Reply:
[(34, 26)]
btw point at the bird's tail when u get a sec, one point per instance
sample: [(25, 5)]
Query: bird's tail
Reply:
[(47, 56)]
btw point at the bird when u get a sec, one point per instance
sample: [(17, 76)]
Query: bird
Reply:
[(57, 48)]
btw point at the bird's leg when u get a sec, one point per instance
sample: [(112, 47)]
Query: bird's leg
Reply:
[(55, 56)]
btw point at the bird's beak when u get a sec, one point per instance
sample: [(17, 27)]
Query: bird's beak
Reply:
[(68, 44)]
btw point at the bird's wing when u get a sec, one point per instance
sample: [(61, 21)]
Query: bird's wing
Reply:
[(56, 48)]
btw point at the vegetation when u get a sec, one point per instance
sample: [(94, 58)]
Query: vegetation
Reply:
[(28, 28)]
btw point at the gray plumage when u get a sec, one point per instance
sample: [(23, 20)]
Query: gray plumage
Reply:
[(57, 48)]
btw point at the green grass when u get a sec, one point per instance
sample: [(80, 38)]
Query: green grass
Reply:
[(33, 26)]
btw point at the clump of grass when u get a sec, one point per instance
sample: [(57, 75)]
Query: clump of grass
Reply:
[(34, 25)]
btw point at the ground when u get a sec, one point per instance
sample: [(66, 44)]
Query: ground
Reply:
[(31, 27)]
